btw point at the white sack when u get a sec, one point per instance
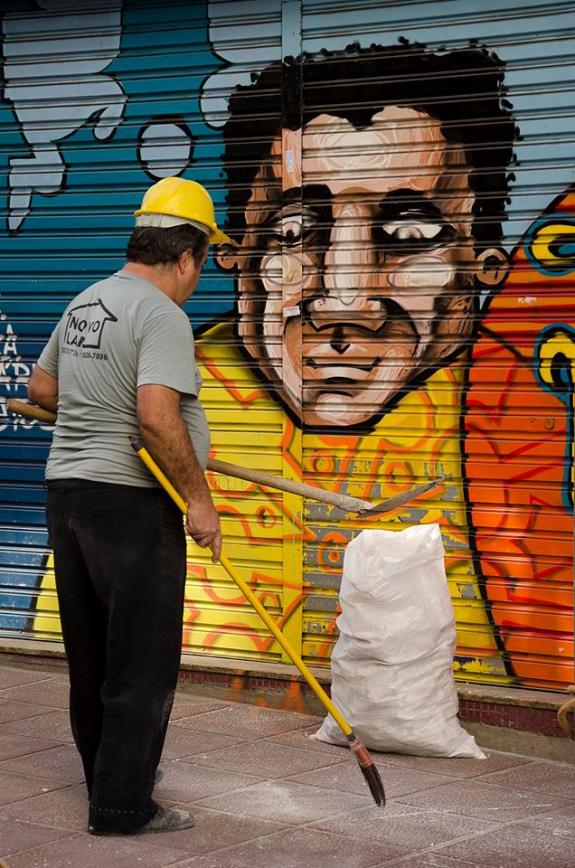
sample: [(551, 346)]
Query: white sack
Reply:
[(392, 674)]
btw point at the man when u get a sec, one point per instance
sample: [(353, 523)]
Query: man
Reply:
[(121, 360), (368, 214)]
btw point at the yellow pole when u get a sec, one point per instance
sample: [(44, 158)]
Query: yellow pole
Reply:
[(248, 593)]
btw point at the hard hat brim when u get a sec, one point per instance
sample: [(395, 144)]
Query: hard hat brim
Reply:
[(215, 235), (218, 237)]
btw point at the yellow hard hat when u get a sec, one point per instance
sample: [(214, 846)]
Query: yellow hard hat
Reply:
[(177, 200)]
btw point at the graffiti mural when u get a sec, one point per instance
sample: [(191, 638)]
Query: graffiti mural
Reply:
[(397, 308), (82, 136), (47, 112), (14, 376), (524, 523), (365, 269)]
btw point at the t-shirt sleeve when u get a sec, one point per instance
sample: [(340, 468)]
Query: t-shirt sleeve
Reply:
[(48, 360), (166, 353)]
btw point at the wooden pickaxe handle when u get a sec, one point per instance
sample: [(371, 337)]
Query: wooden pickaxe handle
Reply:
[(345, 502), (32, 411)]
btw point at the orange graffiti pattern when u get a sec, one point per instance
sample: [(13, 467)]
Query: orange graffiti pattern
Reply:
[(518, 462)]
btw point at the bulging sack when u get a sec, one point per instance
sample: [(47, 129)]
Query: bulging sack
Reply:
[(392, 673)]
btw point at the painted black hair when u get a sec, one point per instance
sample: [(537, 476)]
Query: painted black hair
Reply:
[(463, 89)]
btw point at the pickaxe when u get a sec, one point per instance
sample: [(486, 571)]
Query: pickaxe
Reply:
[(345, 502)]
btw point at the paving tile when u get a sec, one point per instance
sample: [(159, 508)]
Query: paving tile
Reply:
[(94, 852), (430, 860), (515, 847), (286, 802), (10, 711), (54, 692), (11, 676), (20, 745), (62, 763), (403, 826), (473, 798), (16, 835), (539, 776), (265, 759), (182, 742), (185, 782), (347, 776), (214, 830), (302, 738), (560, 822), (14, 787), (66, 809), (455, 767), (295, 848), (246, 720), (186, 705), (209, 860), (52, 724)]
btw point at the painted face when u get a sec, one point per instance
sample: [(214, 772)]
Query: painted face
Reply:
[(362, 276)]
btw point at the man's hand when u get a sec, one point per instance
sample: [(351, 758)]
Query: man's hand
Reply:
[(166, 436), (203, 525)]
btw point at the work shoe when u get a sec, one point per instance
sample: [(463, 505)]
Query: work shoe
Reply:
[(167, 820), (164, 820)]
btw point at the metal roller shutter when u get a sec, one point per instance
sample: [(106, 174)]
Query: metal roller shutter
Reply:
[(101, 99), (490, 407), (262, 528)]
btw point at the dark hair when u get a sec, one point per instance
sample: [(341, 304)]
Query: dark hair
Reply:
[(462, 89), (152, 245)]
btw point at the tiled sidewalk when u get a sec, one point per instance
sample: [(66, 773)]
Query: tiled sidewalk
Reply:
[(266, 796)]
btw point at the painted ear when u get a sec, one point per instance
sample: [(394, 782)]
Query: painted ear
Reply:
[(227, 257), (493, 266)]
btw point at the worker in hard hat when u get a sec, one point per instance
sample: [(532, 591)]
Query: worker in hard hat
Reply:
[(120, 362)]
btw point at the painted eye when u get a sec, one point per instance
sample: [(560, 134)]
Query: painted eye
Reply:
[(291, 226), (404, 230)]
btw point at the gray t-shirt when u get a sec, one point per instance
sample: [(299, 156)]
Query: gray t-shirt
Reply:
[(117, 335)]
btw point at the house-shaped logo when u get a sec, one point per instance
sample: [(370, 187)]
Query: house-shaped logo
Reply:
[(85, 325)]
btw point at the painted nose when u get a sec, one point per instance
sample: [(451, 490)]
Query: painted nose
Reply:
[(338, 341), (350, 258), (348, 274)]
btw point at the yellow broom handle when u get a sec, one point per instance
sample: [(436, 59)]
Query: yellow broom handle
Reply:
[(251, 597), (286, 645)]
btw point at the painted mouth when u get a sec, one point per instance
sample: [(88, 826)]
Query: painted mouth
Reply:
[(339, 370)]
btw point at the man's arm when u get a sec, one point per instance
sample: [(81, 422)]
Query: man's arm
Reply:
[(166, 436), (43, 389)]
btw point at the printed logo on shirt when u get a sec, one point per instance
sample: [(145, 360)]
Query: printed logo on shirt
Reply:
[(85, 325)]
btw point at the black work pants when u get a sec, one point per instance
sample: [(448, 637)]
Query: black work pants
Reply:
[(120, 563)]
